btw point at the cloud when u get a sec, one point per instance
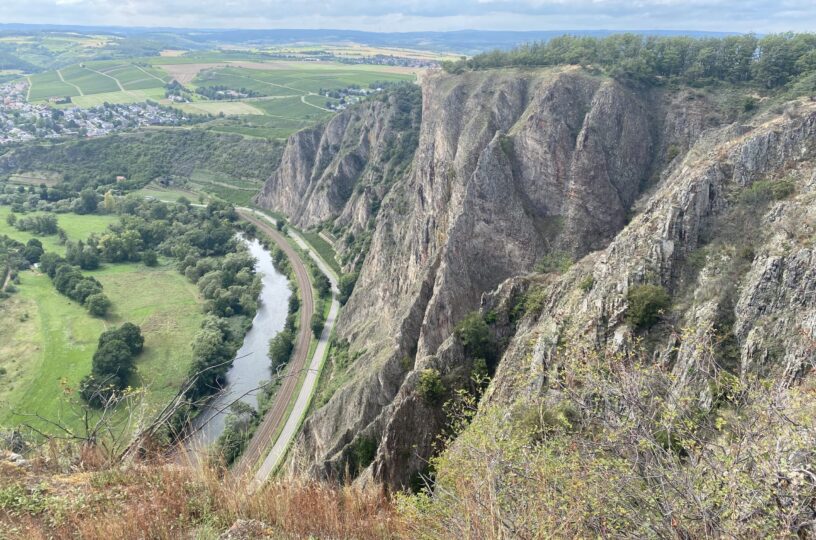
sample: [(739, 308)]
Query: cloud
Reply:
[(408, 15)]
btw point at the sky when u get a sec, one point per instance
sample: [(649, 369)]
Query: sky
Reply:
[(759, 16)]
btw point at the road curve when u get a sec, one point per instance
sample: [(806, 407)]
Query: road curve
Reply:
[(276, 414)]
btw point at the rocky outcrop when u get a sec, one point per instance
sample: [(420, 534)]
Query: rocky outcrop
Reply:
[(511, 168), (337, 173), (740, 207)]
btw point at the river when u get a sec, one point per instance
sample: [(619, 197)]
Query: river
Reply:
[(251, 365)]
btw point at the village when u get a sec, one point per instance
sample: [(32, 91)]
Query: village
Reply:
[(21, 121)]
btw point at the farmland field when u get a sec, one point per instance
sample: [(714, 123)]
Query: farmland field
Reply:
[(285, 93), (90, 82), (46, 85), (131, 96), (286, 78), (117, 82)]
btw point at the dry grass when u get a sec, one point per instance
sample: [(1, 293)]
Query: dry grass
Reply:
[(180, 502)]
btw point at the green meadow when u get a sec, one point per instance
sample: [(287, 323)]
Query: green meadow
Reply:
[(46, 356), (47, 340)]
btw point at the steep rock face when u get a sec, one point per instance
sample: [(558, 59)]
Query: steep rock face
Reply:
[(337, 173), (511, 167), (755, 287)]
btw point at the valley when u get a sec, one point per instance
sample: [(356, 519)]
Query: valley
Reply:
[(563, 290)]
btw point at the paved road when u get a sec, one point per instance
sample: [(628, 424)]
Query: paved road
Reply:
[(276, 414)]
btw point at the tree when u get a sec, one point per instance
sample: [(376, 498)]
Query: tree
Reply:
[(33, 251), (113, 361), (321, 284), (98, 304), (317, 324), (430, 385), (128, 333), (109, 202), (88, 202), (280, 348), (49, 262), (474, 334)]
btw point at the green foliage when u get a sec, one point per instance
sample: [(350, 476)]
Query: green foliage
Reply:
[(144, 156), (113, 365), (362, 453), (430, 386), (769, 62), (44, 224), (645, 305), (531, 302), (238, 429), (213, 350), (556, 261), (98, 304), (317, 323), (586, 283), (33, 251), (149, 258), (764, 191), (280, 348), (321, 283), (474, 335), (68, 280), (346, 286)]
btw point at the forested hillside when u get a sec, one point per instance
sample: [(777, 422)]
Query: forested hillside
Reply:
[(768, 62), (144, 156)]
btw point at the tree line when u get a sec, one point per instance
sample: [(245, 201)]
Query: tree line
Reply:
[(769, 62)]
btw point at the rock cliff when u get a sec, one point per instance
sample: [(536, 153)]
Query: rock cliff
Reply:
[(515, 175)]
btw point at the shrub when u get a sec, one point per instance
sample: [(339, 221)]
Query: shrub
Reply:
[(430, 386), (363, 451), (765, 191), (646, 303), (346, 286), (587, 283), (149, 258), (473, 333), (557, 262)]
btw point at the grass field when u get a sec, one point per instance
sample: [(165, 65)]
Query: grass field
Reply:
[(167, 195), (76, 227), (267, 127), (47, 341)]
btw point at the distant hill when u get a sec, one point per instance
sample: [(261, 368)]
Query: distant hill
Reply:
[(463, 41)]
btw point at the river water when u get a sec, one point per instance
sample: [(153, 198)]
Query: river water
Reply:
[(251, 365)]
